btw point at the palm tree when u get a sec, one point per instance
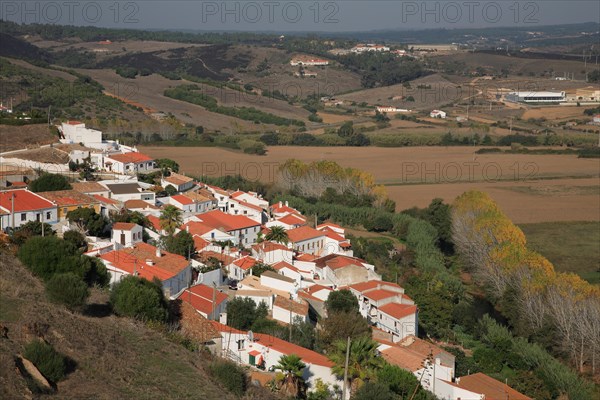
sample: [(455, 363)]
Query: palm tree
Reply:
[(277, 234), (363, 362), (170, 219), (293, 384)]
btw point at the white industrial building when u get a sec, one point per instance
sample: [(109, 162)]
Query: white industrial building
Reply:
[(536, 97)]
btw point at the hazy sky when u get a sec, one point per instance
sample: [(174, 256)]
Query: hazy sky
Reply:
[(310, 15)]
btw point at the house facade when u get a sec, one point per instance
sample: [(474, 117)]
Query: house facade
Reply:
[(18, 207)]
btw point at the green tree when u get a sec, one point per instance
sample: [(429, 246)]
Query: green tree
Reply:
[(94, 223), (400, 381), (293, 384), (363, 361), (139, 298), (339, 326), (374, 391), (167, 165), (241, 313), (181, 243), (170, 219), (32, 228), (76, 238), (230, 375), (277, 234), (68, 289), (340, 301), (49, 183), (259, 268), (170, 190), (47, 255), (346, 130)]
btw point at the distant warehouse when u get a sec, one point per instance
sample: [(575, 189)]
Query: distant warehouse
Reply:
[(536, 97)]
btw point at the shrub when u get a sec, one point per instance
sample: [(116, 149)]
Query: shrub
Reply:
[(139, 298), (49, 183), (76, 238), (230, 375), (374, 391), (68, 289), (47, 255), (381, 223), (51, 363), (94, 223)]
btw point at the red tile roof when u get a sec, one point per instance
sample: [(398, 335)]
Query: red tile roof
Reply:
[(307, 356), (334, 235), (339, 261), (200, 297), (199, 243), (155, 221), (133, 157), (300, 308), (303, 233), (69, 198), (181, 199), (245, 263), (196, 228), (306, 257), (277, 209), (24, 201), (74, 122), (134, 258), (105, 200), (380, 294), (218, 219), (363, 286), (292, 219), (402, 357), (491, 388), (178, 179), (136, 204), (123, 226), (317, 288), (327, 224), (270, 246), (224, 328), (204, 256), (398, 311)]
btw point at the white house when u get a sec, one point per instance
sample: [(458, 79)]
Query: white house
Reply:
[(18, 207), (336, 243), (401, 320), (437, 114), (272, 253), (243, 228), (184, 203), (126, 234), (273, 280), (477, 386), (203, 203), (149, 262), (250, 197), (391, 109), (128, 190), (371, 47), (307, 240), (308, 62), (340, 270), (264, 351), (208, 233), (241, 207), (288, 221), (128, 163), (258, 296), (76, 132), (288, 311), (180, 182), (241, 267), (375, 293)]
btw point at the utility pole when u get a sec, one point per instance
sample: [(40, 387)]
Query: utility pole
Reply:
[(290, 333), (511, 119), (214, 295), (346, 370), (12, 210)]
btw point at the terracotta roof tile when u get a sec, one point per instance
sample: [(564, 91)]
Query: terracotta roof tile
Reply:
[(133, 157), (491, 388), (218, 219), (398, 311), (24, 200), (303, 233)]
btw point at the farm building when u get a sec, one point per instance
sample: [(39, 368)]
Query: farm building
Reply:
[(536, 97), (437, 114)]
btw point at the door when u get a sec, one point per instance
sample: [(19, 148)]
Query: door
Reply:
[(123, 239)]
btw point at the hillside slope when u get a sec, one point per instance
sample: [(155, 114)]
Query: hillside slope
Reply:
[(115, 358)]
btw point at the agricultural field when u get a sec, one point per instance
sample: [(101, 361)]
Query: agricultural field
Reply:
[(529, 188), (578, 251)]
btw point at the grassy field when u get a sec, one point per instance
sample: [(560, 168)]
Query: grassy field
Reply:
[(570, 246)]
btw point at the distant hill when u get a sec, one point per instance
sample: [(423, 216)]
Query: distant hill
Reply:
[(18, 48)]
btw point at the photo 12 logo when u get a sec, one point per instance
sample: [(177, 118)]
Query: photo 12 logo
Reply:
[(69, 12), (263, 12), (472, 12)]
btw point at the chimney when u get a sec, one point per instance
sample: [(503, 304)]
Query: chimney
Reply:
[(286, 203), (187, 228), (158, 253), (280, 204)]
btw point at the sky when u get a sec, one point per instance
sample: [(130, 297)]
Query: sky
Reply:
[(301, 15)]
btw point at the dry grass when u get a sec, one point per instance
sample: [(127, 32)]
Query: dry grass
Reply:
[(21, 137), (115, 358), (417, 175)]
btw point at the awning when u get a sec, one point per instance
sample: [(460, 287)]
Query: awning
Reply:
[(254, 353)]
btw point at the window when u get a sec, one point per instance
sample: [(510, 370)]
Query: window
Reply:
[(23, 217), (65, 210), (48, 215)]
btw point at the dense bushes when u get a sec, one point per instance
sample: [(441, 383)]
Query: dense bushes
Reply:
[(49, 183), (48, 361), (139, 298), (230, 375), (68, 289), (94, 223)]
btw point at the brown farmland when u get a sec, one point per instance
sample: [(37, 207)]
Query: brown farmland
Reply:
[(415, 175)]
